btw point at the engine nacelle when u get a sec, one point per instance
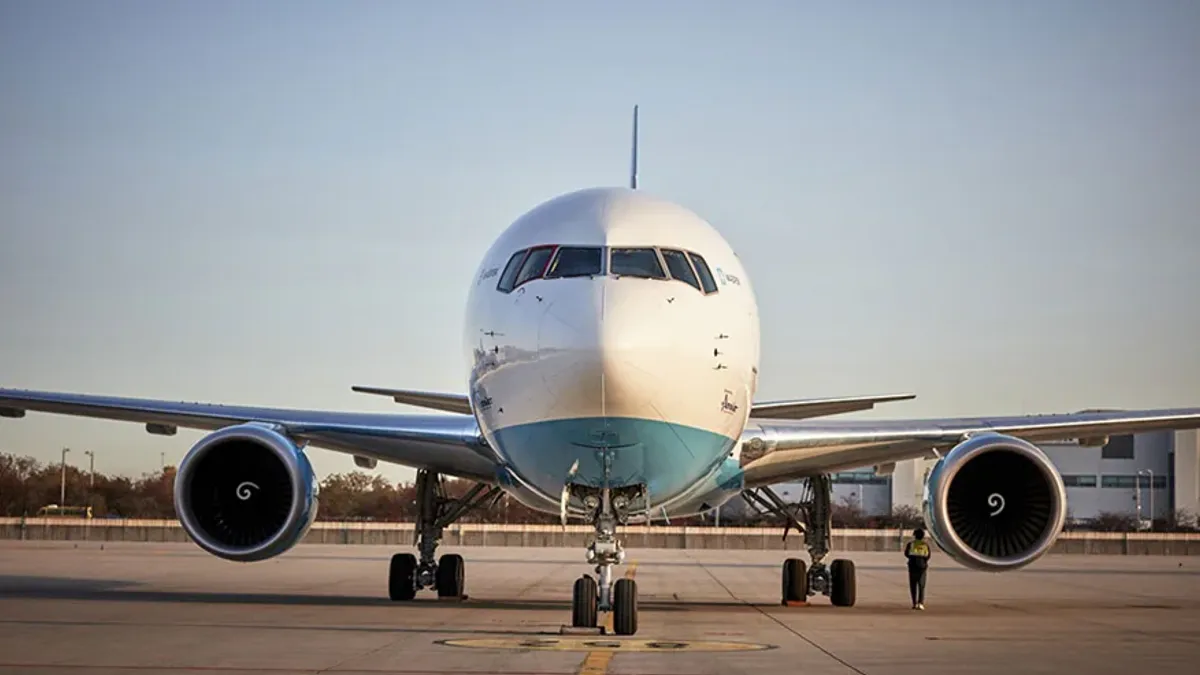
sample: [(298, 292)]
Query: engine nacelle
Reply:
[(246, 493), (995, 503)]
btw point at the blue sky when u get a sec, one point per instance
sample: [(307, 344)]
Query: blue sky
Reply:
[(995, 207)]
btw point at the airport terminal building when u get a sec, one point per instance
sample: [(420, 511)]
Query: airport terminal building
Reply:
[(1135, 474)]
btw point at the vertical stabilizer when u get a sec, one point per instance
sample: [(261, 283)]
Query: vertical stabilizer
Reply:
[(633, 166)]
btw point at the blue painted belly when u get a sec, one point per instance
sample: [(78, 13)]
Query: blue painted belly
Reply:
[(668, 458)]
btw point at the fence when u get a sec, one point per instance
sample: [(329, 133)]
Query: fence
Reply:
[(473, 534)]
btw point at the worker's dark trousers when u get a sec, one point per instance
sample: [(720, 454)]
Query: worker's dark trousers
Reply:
[(916, 583)]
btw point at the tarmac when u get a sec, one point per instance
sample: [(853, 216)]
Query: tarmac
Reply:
[(171, 608)]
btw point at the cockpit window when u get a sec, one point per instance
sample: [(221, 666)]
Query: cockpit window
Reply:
[(636, 262), (535, 264), (706, 277), (680, 268), (561, 262), (576, 261), (508, 278)]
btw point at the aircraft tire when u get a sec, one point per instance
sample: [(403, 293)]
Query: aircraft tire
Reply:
[(843, 590), (451, 576), (584, 603), (795, 581), (402, 576), (625, 609)]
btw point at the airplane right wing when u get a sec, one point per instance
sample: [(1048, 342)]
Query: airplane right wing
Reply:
[(456, 403)]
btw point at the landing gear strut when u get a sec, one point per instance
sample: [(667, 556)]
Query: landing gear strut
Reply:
[(813, 515), (436, 510), (607, 508)]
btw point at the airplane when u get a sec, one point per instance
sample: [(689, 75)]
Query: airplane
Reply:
[(611, 341)]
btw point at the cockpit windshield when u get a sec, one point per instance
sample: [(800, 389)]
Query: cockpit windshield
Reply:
[(636, 262), (508, 278), (706, 277), (535, 264), (576, 261), (677, 263), (561, 262)]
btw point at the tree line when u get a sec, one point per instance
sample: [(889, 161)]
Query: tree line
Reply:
[(27, 485)]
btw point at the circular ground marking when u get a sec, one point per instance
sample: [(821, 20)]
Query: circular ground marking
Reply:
[(602, 644)]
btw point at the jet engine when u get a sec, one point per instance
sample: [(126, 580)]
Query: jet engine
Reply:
[(995, 503), (246, 493)]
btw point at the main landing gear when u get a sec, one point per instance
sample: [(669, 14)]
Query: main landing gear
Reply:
[(607, 508), (816, 508), (435, 511)]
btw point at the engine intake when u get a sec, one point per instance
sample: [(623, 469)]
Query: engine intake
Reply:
[(995, 502), (245, 493)]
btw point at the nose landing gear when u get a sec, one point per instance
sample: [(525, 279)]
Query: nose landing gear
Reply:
[(607, 508)]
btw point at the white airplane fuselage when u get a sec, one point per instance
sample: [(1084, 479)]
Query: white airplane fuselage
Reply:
[(652, 377)]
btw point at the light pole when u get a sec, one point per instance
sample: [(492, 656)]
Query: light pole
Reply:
[(62, 490), (91, 469), (1150, 475)]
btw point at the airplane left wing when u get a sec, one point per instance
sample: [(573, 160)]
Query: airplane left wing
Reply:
[(779, 450), (449, 444), (821, 407)]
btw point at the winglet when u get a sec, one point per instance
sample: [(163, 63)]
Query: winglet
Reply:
[(633, 164)]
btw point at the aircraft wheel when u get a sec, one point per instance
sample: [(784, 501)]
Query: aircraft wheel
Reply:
[(843, 587), (402, 577), (584, 603), (451, 576), (625, 607), (795, 581)]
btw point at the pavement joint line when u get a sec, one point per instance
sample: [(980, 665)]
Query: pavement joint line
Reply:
[(596, 663), (786, 627)]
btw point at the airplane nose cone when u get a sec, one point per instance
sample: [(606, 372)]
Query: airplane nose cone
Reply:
[(624, 382), (568, 344), (641, 346), (610, 348)]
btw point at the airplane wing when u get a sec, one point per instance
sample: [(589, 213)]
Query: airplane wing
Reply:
[(779, 450), (456, 403), (820, 407), (449, 444)]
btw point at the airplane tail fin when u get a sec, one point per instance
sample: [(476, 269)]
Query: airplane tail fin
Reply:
[(633, 165)]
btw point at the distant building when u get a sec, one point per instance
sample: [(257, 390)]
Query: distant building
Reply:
[(1115, 478)]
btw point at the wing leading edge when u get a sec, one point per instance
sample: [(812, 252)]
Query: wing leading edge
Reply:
[(779, 450), (449, 444)]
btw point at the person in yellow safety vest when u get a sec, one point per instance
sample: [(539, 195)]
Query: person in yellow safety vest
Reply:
[(917, 551)]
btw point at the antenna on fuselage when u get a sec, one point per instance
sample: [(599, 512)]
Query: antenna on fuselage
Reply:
[(633, 166)]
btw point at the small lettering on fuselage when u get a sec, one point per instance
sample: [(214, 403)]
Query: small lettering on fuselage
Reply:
[(728, 406), (487, 274)]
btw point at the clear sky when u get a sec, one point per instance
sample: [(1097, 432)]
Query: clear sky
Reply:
[(993, 205)]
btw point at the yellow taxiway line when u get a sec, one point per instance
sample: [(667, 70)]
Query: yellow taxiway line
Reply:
[(596, 663)]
